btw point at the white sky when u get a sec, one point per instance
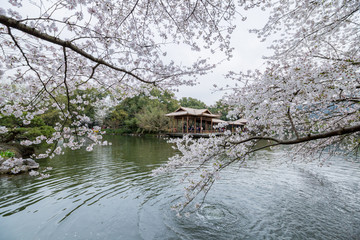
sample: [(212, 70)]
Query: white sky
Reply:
[(248, 54)]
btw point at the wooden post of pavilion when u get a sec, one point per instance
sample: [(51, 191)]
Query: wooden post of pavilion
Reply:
[(195, 125), (174, 128), (177, 125), (187, 124), (182, 124), (201, 130)]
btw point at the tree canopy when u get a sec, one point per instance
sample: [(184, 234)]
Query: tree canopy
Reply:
[(192, 103)]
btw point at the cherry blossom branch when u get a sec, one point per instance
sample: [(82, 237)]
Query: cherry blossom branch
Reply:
[(33, 69), (65, 79), (309, 137), (91, 75), (132, 10), (12, 23), (338, 59)]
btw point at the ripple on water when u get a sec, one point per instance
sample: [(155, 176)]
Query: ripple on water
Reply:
[(213, 220), (215, 214)]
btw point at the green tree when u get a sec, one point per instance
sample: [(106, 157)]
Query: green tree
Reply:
[(19, 131), (166, 98), (192, 103), (116, 118), (152, 119), (143, 112), (220, 108)]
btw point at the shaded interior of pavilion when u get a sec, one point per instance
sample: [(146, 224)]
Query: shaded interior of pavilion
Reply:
[(189, 120)]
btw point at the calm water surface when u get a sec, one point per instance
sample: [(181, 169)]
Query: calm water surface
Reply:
[(108, 194)]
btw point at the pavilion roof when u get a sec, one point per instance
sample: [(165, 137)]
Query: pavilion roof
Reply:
[(218, 121), (185, 111)]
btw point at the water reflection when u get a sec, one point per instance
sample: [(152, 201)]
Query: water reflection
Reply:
[(109, 194)]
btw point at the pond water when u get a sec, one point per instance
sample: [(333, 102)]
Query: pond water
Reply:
[(109, 194)]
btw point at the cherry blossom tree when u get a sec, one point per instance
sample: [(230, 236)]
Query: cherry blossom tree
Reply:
[(307, 98), (51, 49)]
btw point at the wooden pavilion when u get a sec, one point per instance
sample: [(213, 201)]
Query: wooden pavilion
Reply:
[(190, 120)]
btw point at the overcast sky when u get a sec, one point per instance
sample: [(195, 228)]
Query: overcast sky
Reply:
[(247, 55)]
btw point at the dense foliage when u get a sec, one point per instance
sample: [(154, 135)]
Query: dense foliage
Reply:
[(7, 154), (142, 113), (192, 103)]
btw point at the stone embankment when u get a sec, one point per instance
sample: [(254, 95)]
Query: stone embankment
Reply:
[(17, 164)]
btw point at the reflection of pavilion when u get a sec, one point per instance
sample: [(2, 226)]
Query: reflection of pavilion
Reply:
[(198, 122)]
